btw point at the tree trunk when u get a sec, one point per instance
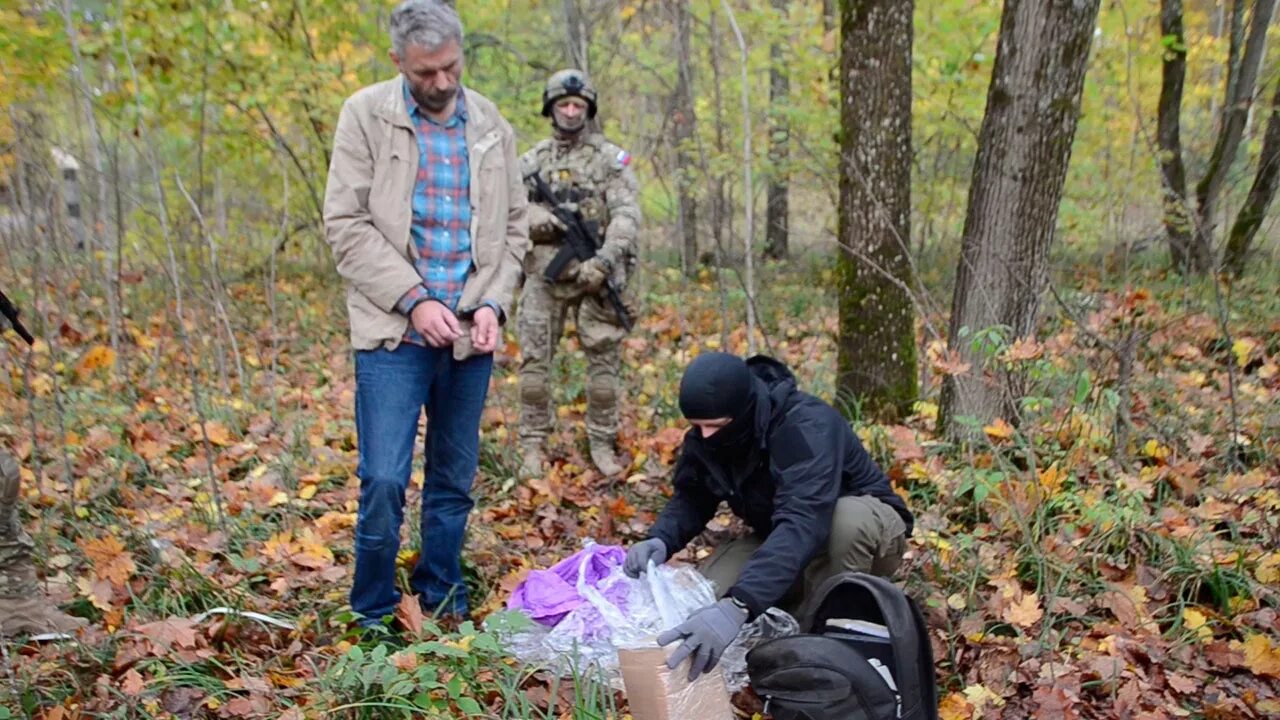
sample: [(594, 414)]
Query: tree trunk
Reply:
[(1242, 81), (578, 47), (1177, 220), (1260, 194), (877, 344), (777, 204), (1024, 147), (683, 124)]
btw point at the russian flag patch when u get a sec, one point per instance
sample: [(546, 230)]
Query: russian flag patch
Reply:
[(624, 158)]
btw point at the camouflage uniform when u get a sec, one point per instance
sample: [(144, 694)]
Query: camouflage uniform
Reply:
[(595, 172), (23, 606)]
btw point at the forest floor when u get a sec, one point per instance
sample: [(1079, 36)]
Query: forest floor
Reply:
[(1114, 555)]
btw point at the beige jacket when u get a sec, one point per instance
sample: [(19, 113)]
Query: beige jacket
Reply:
[(368, 211)]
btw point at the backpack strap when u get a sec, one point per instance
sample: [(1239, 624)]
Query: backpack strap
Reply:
[(875, 598)]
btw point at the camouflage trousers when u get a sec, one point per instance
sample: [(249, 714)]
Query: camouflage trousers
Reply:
[(540, 321), (17, 573)]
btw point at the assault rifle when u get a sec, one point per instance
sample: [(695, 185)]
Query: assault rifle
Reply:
[(9, 311), (581, 240)]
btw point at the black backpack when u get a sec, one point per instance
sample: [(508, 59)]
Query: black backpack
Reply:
[(866, 657)]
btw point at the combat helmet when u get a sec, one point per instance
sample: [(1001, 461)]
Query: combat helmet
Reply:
[(566, 83)]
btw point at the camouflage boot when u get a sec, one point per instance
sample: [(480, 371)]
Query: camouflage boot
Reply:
[(532, 458), (605, 458), (23, 606)]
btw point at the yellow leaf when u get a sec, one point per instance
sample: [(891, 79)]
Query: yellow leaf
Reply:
[(1025, 612), (280, 498), (1154, 450), (979, 696), (1051, 479), (956, 601), (307, 492), (628, 12), (955, 707), (1197, 623), (98, 356), (1260, 655), (1268, 570), (1242, 349), (999, 430)]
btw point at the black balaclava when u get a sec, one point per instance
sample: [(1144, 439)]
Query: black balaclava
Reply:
[(719, 385)]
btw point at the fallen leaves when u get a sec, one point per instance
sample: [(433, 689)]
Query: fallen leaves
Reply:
[(1025, 612), (1261, 655)]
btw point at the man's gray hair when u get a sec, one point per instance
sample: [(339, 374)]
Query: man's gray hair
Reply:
[(429, 24)]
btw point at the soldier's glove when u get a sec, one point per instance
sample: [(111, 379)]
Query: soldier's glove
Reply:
[(544, 226), (592, 274), (706, 635), (641, 553)]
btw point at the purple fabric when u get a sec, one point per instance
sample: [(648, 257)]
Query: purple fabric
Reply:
[(549, 595)]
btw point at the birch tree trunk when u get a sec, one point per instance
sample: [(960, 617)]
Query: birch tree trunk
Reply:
[(877, 344), (1033, 105)]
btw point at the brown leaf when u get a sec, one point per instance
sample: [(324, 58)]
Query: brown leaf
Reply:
[(110, 560), (905, 447), (409, 613), (179, 632), (132, 683), (1183, 684), (1055, 702)]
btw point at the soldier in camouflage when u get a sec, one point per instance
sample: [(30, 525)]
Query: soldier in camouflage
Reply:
[(24, 609), (594, 175)]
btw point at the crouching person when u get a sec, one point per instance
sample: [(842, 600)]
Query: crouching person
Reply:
[(790, 466)]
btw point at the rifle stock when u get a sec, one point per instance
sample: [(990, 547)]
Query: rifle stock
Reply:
[(582, 240), (9, 311)]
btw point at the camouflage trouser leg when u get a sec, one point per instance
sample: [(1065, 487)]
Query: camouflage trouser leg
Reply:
[(17, 573), (539, 325), (600, 335)]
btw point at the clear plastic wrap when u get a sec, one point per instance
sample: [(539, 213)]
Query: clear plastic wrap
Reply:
[(589, 636)]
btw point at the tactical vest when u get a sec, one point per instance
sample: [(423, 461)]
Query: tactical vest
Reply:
[(579, 175)]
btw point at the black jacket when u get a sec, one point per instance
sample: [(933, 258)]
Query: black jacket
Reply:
[(802, 459)]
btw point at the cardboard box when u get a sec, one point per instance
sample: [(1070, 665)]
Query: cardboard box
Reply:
[(657, 693)]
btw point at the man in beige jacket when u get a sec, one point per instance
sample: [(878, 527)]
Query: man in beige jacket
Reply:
[(425, 212)]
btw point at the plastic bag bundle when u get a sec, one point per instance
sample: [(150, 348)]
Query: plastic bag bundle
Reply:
[(580, 631)]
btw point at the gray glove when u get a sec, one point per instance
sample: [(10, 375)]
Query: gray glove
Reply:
[(543, 225), (706, 634), (641, 553)]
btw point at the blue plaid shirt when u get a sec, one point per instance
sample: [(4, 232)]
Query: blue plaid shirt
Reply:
[(441, 226)]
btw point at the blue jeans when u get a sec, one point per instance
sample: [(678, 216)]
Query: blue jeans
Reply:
[(392, 389)]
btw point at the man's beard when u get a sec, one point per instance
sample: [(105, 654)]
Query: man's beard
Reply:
[(433, 100)]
